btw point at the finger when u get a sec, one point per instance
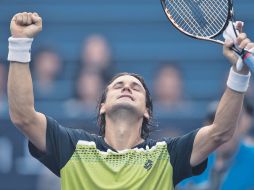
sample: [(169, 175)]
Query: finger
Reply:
[(251, 50), (14, 18), (35, 13), (240, 38), (19, 19), (29, 19), (36, 18), (239, 26), (249, 46), (228, 43), (244, 43), (24, 17)]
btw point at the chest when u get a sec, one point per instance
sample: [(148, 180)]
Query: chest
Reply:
[(91, 168)]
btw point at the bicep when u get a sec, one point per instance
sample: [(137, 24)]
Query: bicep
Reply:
[(35, 130), (203, 145)]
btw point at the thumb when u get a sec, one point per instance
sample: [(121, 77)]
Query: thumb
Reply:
[(228, 52), (228, 43), (36, 19)]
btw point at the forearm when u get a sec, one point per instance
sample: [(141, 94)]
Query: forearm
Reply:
[(228, 111), (227, 115), (211, 137), (20, 92)]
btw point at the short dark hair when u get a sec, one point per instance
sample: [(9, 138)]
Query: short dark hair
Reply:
[(145, 130)]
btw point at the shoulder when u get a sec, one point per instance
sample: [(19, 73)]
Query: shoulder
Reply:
[(55, 129)]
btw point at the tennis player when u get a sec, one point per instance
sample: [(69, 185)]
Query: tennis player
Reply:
[(123, 157)]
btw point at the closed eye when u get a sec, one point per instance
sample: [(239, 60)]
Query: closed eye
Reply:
[(118, 85), (136, 87)]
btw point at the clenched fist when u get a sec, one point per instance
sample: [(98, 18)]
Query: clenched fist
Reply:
[(25, 25), (243, 42)]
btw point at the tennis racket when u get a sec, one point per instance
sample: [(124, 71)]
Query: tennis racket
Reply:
[(205, 20)]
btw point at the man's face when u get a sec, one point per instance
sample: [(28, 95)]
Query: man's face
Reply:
[(126, 92)]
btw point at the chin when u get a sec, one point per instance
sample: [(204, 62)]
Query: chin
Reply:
[(124, 106)]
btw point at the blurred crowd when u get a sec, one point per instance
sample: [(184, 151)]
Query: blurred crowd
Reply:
[(231, 165), (73, 94)]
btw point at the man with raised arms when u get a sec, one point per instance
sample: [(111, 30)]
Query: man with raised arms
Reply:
[(123, 157)]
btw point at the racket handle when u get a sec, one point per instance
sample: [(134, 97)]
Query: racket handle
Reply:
[(248, 59)]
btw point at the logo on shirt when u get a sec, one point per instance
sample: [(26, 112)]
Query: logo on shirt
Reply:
[(148, 165)]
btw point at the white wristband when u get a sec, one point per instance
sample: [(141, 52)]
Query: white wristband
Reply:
[(19, 49), (238, 82)]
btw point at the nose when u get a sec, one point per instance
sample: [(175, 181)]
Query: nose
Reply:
[(126, 88)]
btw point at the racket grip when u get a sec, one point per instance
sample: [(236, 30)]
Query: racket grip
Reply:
[(248, 59)]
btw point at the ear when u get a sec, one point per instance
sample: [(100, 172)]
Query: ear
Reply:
[(102, 109), (146, 114)]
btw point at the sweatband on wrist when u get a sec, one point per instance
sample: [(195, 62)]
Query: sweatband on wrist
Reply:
[(238, 82), (20, 49)]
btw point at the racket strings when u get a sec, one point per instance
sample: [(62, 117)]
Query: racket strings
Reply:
[(197, 22), (181, 12), (200, 21), (188, 24), (212, 16), (178, 15), (202, 18)]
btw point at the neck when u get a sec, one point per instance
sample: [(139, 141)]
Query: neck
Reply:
[(122, 131)]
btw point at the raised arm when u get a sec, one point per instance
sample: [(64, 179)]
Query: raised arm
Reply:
[(24, 26), (210, 137)]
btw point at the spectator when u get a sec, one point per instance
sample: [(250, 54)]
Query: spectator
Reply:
[(168, 87), (168, 97), (96, 56), (88, 88), (47, 180), (6, 150), (3, 100), (231, 166), (247, 122), (47, 66), (250, 92)]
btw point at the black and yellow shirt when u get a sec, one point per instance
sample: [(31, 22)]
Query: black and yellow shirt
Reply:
[(86, 162)]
